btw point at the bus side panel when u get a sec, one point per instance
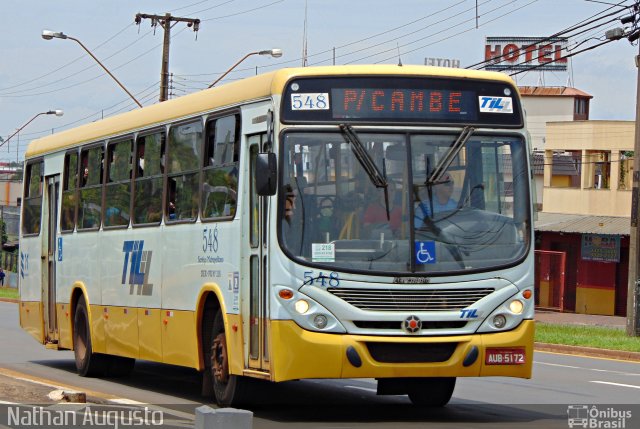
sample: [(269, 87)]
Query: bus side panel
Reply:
[(179, 338), (80, 265), (65, 324), (189, 262), (150, 334), (32, 320), (182, 280), (98, 316), (235, 344), (121, 332), (30, 278), (130, 281)]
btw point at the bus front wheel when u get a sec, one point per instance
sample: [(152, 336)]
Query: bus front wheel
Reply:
[(229, 390), (88, 364), (432, 392)]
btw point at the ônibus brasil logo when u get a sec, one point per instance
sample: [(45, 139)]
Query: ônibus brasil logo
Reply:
[(139, 267)]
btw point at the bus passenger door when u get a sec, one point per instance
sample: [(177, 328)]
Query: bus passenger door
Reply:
[(49, 255), (258, 267)]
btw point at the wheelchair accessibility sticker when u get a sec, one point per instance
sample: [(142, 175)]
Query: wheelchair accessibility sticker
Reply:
[(425, 252)]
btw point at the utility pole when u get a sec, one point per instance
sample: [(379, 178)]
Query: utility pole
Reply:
[(166, 21), (633, 291), (633, 285)]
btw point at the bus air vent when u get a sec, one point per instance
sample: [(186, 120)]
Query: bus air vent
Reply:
[(411, 352), (411, 300), (397, 325)]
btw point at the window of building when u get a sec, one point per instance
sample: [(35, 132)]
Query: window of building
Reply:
[(69, 192), (566, 168), (220, 184), (625, 170), (32, 207), (598, 169)]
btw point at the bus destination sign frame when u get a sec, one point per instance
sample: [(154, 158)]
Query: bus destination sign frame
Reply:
[(401, 100)]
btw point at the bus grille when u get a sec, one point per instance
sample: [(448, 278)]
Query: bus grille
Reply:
[(411, 353), (411, 300)]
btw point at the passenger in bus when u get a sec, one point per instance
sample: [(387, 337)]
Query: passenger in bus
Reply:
[(375, 218), (140, 159), (441, 201), (293, 222)]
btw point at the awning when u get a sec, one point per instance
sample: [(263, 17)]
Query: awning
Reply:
[(583, 224)]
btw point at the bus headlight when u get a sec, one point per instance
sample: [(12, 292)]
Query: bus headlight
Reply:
[(301, 306), (305, 311), (516, 306), (510, 313)]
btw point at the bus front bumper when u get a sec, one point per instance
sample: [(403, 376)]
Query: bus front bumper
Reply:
[(299, 354)]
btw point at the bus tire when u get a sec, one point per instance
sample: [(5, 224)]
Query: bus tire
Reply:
[(432, 392), (228, 390), (88, 363)]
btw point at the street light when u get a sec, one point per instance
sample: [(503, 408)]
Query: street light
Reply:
[(275, 53), (50, 112), (48, 35)]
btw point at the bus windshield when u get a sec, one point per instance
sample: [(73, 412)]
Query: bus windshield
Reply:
[(436, 204)]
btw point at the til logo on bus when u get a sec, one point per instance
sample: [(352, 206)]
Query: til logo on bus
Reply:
[(469, 313), (137, 263), (496, 105)]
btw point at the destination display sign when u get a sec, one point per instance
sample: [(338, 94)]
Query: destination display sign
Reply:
[(400, 100)]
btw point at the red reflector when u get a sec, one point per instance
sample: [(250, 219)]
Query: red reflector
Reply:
[(505, 356)]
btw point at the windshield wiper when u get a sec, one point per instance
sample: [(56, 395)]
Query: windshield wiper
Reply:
[(443, 165), (377, 178)]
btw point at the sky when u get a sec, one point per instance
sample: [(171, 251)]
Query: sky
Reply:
[(38, 75)]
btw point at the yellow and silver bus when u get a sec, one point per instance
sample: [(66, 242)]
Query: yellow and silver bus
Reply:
[(321, 222)]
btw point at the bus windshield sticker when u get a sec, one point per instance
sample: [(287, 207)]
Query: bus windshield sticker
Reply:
[(496, 105), (59, 249), (314, 101), (425, 252), (323, 252)]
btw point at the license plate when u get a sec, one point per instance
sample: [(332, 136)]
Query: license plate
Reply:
[(504, 356)]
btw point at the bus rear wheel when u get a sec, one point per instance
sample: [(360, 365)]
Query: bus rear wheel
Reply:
[(228, 389), (88, 364), (432, 392)]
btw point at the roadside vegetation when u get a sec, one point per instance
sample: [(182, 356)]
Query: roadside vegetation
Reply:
[(586, 336), (7, 292)]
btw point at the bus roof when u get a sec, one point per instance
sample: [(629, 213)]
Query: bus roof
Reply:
[(253, 88)]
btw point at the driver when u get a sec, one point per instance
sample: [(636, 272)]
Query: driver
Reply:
[(442, 200)]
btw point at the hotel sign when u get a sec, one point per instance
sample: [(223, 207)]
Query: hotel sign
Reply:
[(524, 53)]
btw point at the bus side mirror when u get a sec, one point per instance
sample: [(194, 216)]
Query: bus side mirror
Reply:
[(266, 174)]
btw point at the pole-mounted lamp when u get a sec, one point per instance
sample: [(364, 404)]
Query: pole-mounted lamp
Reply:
[(275, 53), (48, 35), (49, 112)]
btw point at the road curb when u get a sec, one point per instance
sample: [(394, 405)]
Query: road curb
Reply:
[(14, 301), (587, 351)]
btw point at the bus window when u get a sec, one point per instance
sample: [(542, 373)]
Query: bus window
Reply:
[(185, 143), (32, 211), (118, 187), (89, 210), (220, 184), (69, 189), (147, 203)]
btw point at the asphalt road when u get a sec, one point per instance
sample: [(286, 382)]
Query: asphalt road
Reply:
[(559, 381)]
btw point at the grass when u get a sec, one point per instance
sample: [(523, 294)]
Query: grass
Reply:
[(6, 292), (587, 336)]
